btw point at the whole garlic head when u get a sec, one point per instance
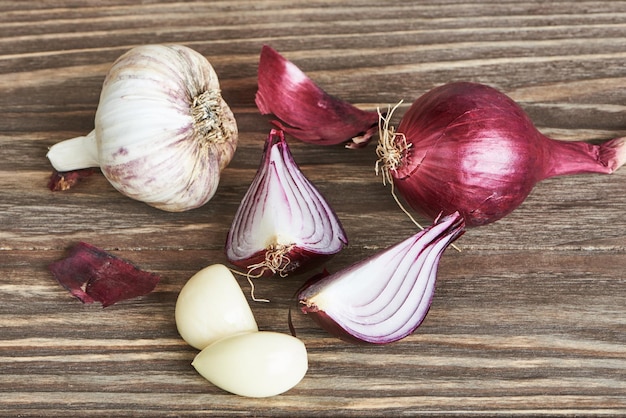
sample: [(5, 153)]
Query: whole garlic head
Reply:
[(163, 133)]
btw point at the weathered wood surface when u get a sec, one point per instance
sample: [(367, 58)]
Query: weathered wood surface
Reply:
[(529, 319)]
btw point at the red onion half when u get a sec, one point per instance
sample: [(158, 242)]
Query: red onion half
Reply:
[(305, 110), (283, 222), (385, 297), (468, 147)]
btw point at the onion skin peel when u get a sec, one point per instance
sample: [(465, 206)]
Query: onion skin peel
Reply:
[(304, 110), (93, 275)]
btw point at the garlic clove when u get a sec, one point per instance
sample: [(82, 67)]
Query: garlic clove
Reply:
[(63, 155), (211, 306), (258, 364)]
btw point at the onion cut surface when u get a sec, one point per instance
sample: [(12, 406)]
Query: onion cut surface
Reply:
[(385, 297), (304, 110), (283, 222)]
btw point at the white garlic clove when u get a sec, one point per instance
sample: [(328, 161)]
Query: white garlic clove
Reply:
[(211, 306), (258, 364)]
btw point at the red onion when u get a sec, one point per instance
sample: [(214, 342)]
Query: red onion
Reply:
[(468, 147), (283, 222), (305, 110), (385, 297)]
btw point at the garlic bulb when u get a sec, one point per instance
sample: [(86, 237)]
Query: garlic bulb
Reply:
[(163, 133)]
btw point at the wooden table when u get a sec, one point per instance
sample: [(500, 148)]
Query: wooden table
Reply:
[(528, 319)]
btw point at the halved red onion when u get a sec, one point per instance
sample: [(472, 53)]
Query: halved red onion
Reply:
[(305, 110), (283, 222), (385, 297)]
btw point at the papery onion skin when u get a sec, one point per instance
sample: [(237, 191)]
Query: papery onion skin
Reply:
[(63, 181), (474, 150), (385, 297), (91, 274), (283, 224), (304, 110)]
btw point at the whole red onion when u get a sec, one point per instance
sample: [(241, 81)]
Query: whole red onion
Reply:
[(468, 147)]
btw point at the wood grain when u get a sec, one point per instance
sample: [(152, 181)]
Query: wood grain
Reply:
[(529, 319)]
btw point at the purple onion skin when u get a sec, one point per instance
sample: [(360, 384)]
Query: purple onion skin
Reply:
[(474, 150), (304, 110)]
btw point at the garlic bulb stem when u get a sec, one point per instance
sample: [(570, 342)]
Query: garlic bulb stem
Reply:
[(75, 154)]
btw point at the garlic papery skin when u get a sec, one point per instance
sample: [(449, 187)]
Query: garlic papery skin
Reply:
[(163, 133)]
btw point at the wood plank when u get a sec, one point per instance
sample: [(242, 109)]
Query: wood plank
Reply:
[(528, 319)]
